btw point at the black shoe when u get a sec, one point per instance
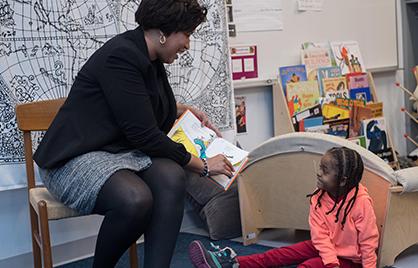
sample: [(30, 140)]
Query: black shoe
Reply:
[(219, 258)]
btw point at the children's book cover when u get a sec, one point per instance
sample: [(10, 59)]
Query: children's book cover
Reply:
[(377, 108), (349, 103), (375, 131), (327, 72), (348, 57), (311, 122), (309, 45), (332, 112), (292, 74), (309, 112), (335, 87), (339, 127), (357, 115), (361, 94), (360, 140), (202, 142), (314, 58), (386, 155), (302, 95), (357, 80)]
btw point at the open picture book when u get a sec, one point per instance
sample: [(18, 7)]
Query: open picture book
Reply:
[(203, 142)]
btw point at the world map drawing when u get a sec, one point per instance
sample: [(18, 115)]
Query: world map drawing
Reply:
[(43, 44)]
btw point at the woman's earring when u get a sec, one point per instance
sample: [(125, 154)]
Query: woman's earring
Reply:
[(163, 39)]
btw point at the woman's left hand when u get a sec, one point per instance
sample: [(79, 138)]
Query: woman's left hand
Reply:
[(201, 115)]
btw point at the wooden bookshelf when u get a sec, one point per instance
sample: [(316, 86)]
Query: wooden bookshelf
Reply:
[(283, 122)]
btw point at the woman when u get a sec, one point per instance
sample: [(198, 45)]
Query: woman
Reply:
[(107, 151)]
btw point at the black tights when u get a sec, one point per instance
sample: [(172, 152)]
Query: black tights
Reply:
[(149, 202)]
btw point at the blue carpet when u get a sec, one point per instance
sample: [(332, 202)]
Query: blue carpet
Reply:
[(180, 258)]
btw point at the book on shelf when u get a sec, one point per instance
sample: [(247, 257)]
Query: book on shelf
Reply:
[(348, 103), (375, 131), (202, 142), (377, 108), (348, 57), (302, 95), (326, 72), (318, 129), (332, 112), (310, 45), (361, 94), (338, 127), (309, 112), (311, 122), (314, 58), (360, 140), (358, 86), (335, 87), (357, 115), (357, 80), (292, 74)]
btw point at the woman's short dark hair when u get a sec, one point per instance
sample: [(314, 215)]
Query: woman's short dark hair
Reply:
[(170, 16)]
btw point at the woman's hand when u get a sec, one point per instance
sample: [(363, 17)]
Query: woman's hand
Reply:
[(219, 164), (181, 108)]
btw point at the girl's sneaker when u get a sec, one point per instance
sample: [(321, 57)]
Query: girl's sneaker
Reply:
[(218, 258)]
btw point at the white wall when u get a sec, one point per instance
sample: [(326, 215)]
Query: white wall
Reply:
[(393, 100), (259, 112)]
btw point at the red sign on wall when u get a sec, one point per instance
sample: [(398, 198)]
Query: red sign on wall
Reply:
[(244, 61)]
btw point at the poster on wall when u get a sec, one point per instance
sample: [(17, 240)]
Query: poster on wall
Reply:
[(244, 61), (240, 114)]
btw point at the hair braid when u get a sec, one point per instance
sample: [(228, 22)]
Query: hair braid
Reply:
[(349, 167)]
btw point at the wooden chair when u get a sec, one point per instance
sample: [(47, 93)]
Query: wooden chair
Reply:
[(37, 116), (280, 173)]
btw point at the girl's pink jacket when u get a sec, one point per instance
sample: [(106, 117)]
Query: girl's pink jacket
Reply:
[(359, 239)]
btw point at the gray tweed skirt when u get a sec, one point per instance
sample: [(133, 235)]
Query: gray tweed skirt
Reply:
[(78, 182)]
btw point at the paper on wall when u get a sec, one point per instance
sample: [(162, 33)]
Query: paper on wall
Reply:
[(315, 5), (260, 15)]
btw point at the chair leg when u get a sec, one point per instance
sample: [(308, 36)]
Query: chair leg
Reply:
[(133, 256), (46, 242), (37, 259)]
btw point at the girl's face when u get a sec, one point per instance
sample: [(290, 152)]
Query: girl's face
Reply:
[(176, 44), (327, 174)]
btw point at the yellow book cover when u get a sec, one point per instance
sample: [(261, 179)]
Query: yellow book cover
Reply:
[(330, 112), (302, 95)]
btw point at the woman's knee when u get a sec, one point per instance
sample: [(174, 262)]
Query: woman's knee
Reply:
[(131, 196), (137, 205), (170, 174)]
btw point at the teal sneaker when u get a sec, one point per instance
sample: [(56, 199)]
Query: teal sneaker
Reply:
[(218, 258)]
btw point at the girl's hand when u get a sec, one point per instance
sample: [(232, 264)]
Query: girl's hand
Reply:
[(219, 164)]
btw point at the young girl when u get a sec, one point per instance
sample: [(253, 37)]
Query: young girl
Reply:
[(343, 225)]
